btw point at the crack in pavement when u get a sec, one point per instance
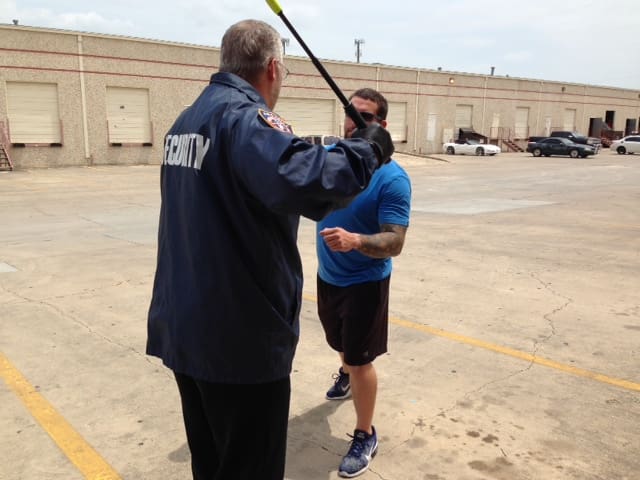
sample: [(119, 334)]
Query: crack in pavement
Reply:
[(548, 317), (61, 313)]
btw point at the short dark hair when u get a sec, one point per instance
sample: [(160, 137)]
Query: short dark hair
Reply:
[(376, 97), (247, 48)]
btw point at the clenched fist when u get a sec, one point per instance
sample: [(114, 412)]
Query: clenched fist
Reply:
[(339, 240)]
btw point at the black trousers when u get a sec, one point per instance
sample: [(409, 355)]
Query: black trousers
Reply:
[(236, 432)]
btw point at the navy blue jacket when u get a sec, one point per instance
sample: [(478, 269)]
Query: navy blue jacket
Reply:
[(228, 284)]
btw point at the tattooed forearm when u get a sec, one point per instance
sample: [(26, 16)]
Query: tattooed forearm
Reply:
[(387, 243)]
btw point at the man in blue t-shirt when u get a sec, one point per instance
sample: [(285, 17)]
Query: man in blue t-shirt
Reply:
[(354, 247)]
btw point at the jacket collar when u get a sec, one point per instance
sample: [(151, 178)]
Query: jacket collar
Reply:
[(234, 81)]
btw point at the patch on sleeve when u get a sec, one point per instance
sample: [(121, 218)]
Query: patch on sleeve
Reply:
[(275, 121)]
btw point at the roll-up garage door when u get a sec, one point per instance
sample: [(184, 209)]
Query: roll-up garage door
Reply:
[(397, 121), (308, 116), (128, 115), (522, 122), (463, 116), (33, 113), (569, 123)]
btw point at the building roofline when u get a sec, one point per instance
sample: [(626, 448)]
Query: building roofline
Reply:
[(9, 26)]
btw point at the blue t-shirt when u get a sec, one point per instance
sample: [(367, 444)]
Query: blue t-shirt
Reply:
[(387, 200)]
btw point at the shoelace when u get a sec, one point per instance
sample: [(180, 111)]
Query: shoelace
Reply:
[(357, 446), (338, 376)]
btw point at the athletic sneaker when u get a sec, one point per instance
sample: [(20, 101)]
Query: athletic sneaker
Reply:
[(341, 389), (363, 448)]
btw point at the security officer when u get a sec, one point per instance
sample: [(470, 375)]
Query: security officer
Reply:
[(228, 284)]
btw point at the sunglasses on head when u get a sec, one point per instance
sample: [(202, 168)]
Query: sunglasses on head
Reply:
[(370, 117)]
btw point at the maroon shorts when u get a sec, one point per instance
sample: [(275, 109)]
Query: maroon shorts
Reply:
[(355, 319)]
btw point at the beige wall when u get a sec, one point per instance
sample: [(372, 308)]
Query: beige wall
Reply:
[(174, 74), (84, 65)]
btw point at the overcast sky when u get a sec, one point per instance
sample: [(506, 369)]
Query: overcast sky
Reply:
[(595, 42)]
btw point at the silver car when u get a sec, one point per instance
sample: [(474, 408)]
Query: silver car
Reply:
[(630, 144)]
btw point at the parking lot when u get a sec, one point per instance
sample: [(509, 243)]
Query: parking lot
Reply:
[(514, 339)]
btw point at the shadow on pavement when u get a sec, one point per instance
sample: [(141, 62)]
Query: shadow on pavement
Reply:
[(313, 453)]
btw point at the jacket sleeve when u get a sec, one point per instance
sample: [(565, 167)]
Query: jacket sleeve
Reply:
[(291, 176)]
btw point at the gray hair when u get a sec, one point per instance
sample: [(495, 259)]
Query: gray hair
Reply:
[(247, 47)]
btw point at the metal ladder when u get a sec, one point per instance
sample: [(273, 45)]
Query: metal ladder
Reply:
[(5, 159)]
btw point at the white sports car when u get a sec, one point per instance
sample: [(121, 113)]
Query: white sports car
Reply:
[(470, 147)]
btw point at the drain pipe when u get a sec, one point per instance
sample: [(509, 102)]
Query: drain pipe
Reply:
[(83, 99)]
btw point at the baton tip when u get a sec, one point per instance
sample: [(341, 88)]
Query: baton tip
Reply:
[(275, 6)]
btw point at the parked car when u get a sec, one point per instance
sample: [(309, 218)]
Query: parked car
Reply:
[(470, 147), (630, 144), (596, 143), (559, 146)]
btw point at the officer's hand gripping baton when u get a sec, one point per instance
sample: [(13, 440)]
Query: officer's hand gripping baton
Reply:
[(349, 109)]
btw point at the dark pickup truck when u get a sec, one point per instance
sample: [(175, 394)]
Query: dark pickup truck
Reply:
[(574, 137)]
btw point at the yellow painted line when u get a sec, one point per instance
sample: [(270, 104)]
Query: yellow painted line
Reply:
[(580, 372), (81, 454)]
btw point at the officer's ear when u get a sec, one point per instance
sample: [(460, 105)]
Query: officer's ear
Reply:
[(273, 69)]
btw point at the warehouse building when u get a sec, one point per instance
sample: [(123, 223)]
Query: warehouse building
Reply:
[(73, 98)]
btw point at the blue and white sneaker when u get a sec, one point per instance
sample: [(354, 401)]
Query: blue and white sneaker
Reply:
[(341, 389), (363, 448)]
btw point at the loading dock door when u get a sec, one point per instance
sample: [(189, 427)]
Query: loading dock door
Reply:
[(432, 126), (128, 115), (463, 117), (33, 113), (397, 121), (522, 122), (630, 126), (609, 118), (308, 116), (495, 126), (547, 126), (569, 124)]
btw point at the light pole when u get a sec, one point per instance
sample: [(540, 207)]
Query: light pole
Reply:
[(285, 43), (358, 42)]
